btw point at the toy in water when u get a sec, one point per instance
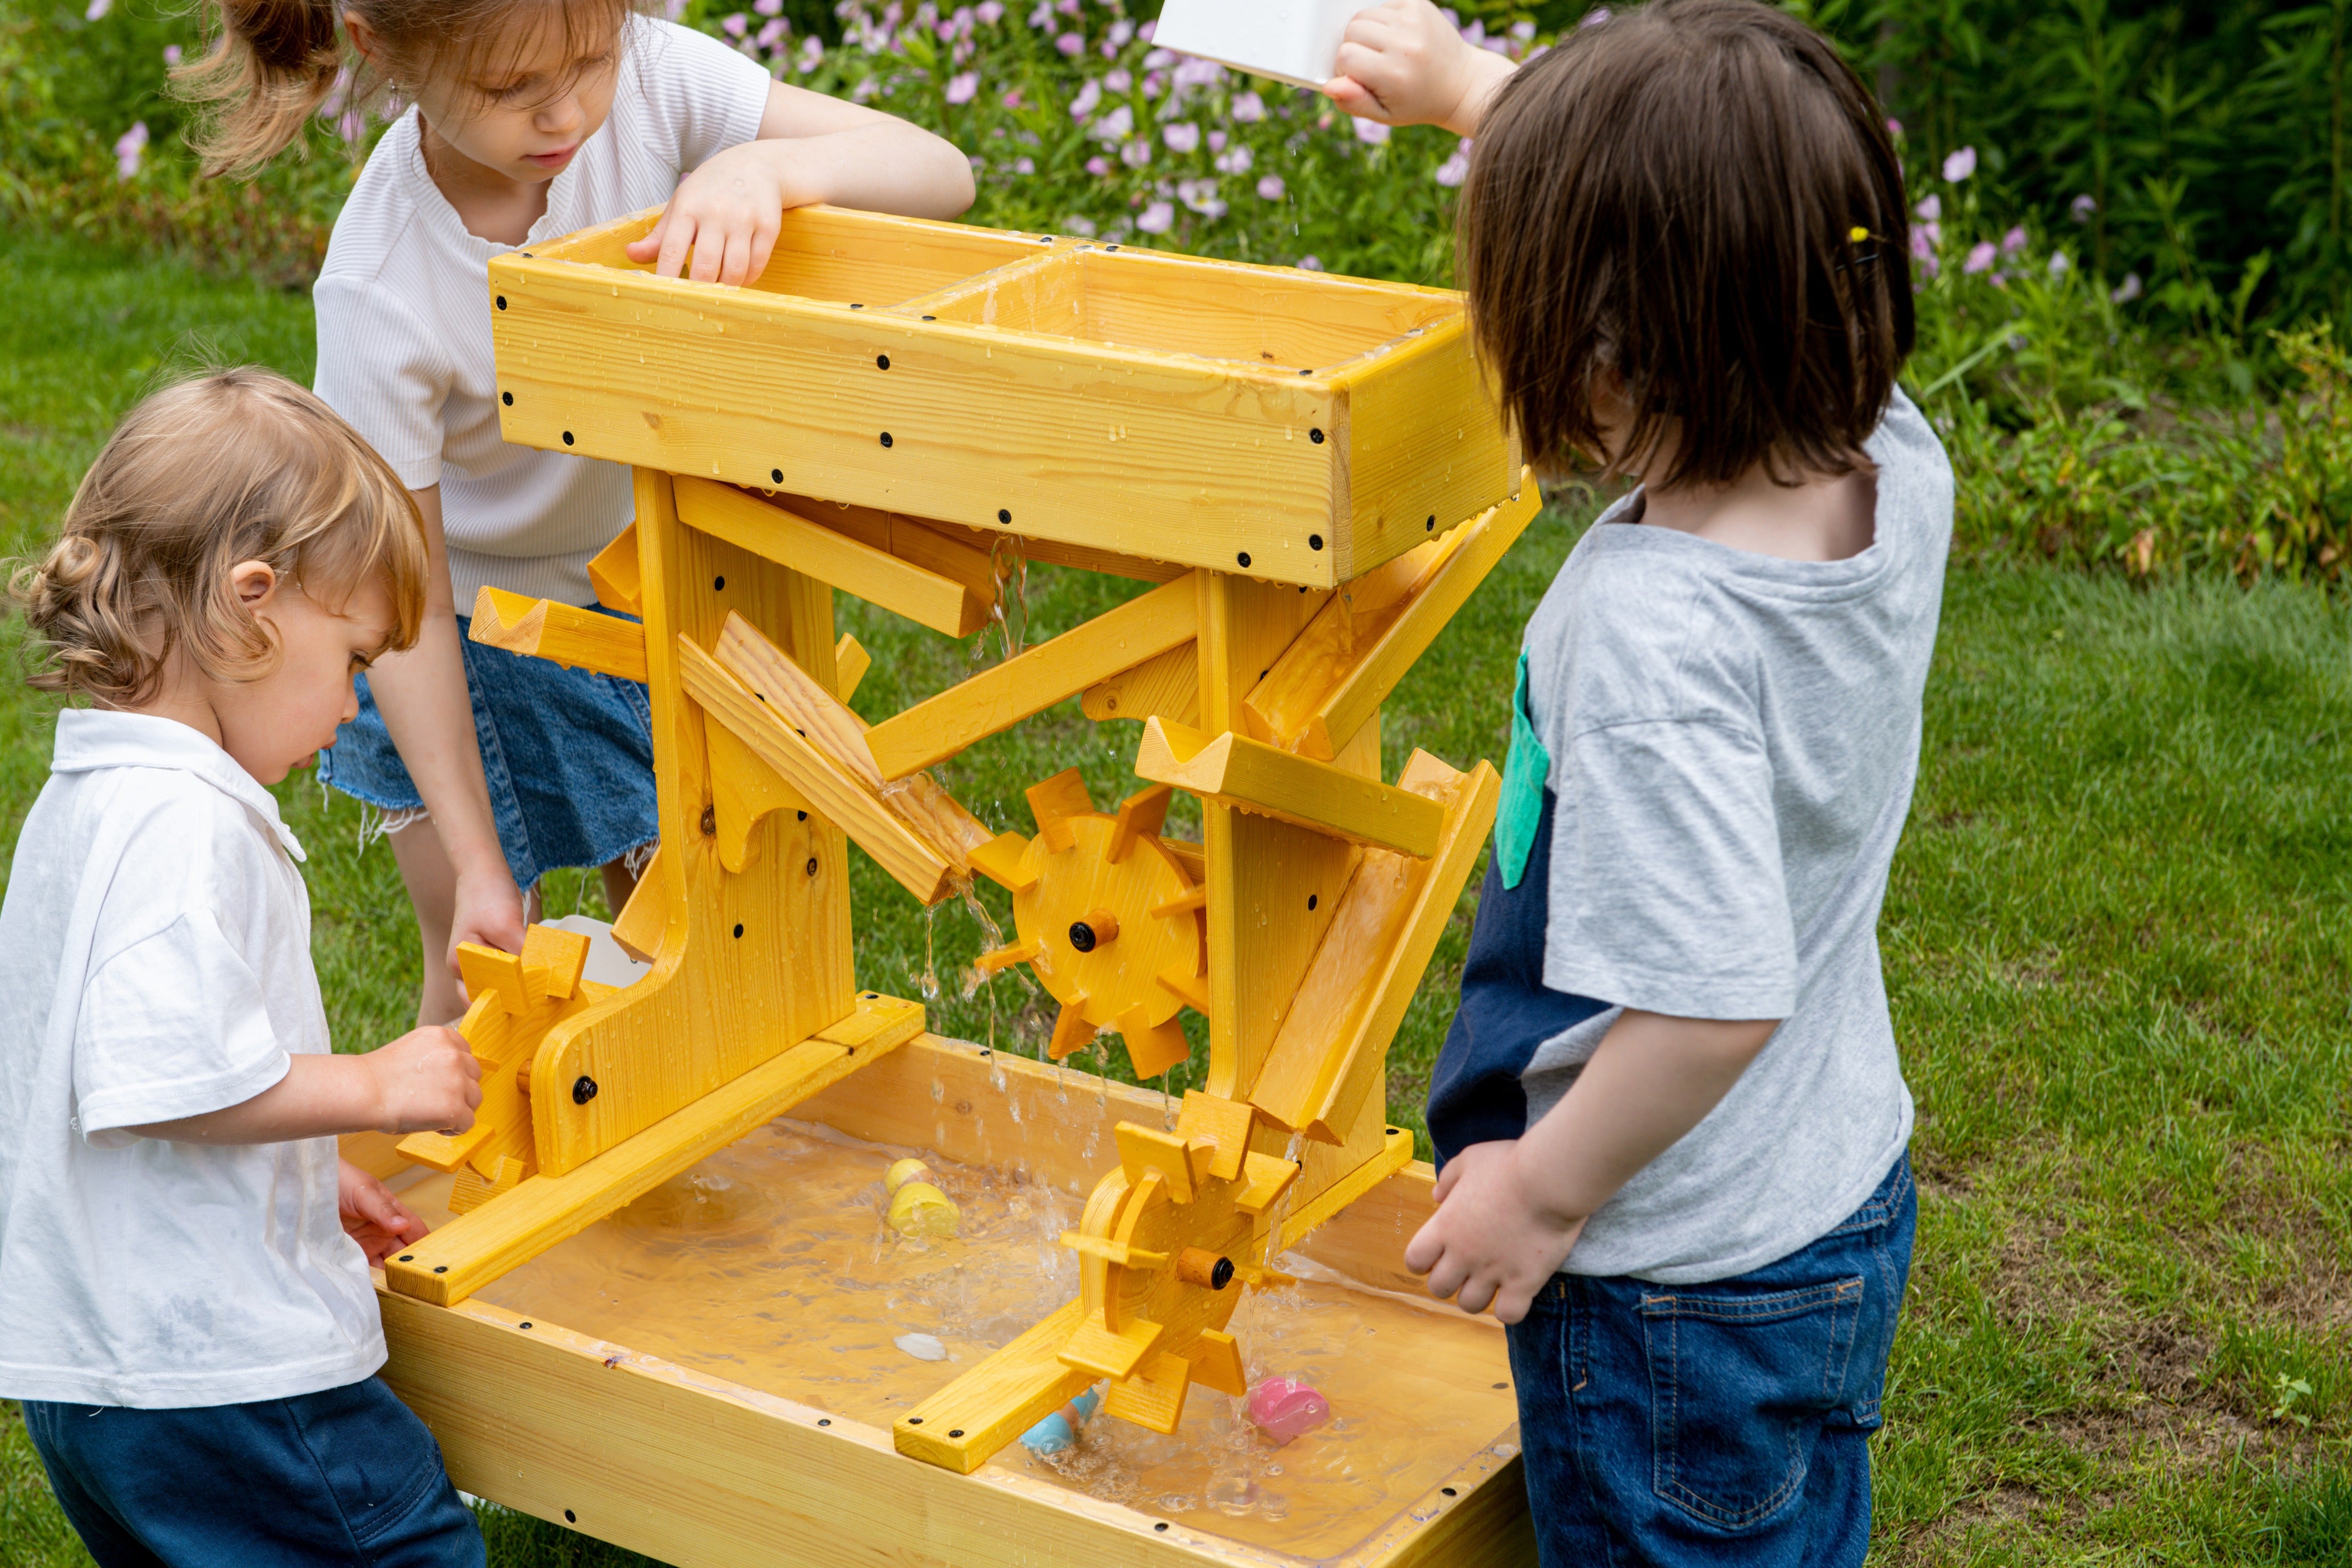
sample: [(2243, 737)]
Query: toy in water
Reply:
[(1058, 1432), (917, 1208), (1284, 1408)]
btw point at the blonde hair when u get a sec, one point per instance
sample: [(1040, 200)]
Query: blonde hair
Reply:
[(274, 63), (233, 465)]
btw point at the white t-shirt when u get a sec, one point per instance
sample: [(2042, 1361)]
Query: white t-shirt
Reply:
[(405, 315), (156, 960)]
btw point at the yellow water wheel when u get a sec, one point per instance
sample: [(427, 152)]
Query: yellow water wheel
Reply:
[(1110, 919)]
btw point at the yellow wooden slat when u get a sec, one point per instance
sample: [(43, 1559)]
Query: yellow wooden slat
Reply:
[(572, 636), (1333, 1044), (477, 1248), (879, 577), (614, 572), (998, 698), (1334, 678), (1168, 686), (849, 655), (1252, 777), (977, 1415), (833, 791)]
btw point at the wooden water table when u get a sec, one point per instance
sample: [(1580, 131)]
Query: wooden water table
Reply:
[(1308, 477)]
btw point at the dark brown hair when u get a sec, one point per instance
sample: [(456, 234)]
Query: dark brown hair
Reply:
[(274, 62), (1700, 197), (234, 466)]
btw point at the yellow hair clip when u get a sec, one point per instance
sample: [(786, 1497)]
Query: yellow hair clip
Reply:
[(1857, 234)]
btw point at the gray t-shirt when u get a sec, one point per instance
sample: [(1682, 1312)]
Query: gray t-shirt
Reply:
[(1734, 740)]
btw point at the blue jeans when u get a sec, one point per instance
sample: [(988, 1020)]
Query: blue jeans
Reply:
[(1663, 1426), (567, 755), (346, 1476)]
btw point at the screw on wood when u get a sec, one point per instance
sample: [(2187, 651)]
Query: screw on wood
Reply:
[(717, 585), (804, 817), (738, 930), (812, 866), (1003, 514), (1316, 435), (1310, 901), (1243, 558), (567, 438), (440, 1268), (507, 398), (583, 1089), (1313, 542), (1430, 526), (886, 437), (502, 301), (776, 476), (881, 362)]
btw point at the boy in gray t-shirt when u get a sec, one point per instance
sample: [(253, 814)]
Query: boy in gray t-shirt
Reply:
[(1670, 1112)]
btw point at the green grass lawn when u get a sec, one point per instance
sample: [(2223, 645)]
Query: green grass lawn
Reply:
[(2116, 942)]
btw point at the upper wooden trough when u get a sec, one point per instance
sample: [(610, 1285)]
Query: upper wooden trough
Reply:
[(1260, 421)]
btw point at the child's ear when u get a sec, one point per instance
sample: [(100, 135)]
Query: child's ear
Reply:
[(256, 582)]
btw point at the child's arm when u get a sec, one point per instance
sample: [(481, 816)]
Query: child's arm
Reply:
[(426, 1080), (1403, 63), (423, 698), (1508, 1211), (810, 149)]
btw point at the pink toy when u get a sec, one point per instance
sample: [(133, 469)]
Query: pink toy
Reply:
[(1284, 1408)]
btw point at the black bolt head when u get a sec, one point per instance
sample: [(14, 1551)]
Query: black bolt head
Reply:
[(775, 475), (1316, 435), (507, 398), (1082, 936), (1221, 1274), (886, 437), (583, 1089), (881, 362), (1313, 542), (502, 301), (567, 438), (1243, 558)]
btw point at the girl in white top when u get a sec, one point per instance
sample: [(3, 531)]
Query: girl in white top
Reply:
[(529, 118), (184, 1303)]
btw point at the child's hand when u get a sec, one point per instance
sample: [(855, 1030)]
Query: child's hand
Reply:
[(1404, 64), (426, 1081), (728, 214), (1490, 1240), (372, 1216), (486, 909)]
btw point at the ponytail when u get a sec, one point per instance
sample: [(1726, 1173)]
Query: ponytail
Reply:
[(272, 66)]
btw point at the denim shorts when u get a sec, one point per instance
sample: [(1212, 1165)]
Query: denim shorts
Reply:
[(1671, 1425), (349, 1475), (568, 754)]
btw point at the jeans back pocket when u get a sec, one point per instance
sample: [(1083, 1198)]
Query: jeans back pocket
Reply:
[(1740, 1385)]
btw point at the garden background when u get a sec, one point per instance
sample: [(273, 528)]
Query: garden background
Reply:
[(2116, 939)]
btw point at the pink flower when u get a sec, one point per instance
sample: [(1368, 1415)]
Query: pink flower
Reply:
[(2129, 290), (771, 32), (769, 7), (1043, 16), (2083, 206), (1098, 166), (2013, 241), (1115, 126), (1182, 137), (172, 55), (1961, 164), (1310, 264), (1981, 257), (989, 12), (1089, 97), (1216, 142), (1455, 169), (1931, 209), (812, 54), (1158, 59), (1154, 83), (1118, 82), (1136, 154), (1145, 31), (1235, 160), (1271, 188), (963, 87), (1120, 32), (1248, 108), (737, 24), (1372, 132), (1524, 31), (1893, 126), (129, 149), (1158, 219), (97, 8), (2059, 264), (1013, 100), (1070, 44), (1923, 251), (1024, 165)]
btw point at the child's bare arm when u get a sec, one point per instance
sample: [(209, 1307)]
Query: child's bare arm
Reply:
[(1508, 1211), (812, 149), (1403, 63), (425, 1080)]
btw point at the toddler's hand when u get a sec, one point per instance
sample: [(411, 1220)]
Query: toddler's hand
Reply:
[(426, 1081), (1490, 1240), (1403, 63), (372, 1216), (727, 213)]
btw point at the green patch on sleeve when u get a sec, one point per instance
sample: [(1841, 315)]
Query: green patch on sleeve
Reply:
[(1524, 774)]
